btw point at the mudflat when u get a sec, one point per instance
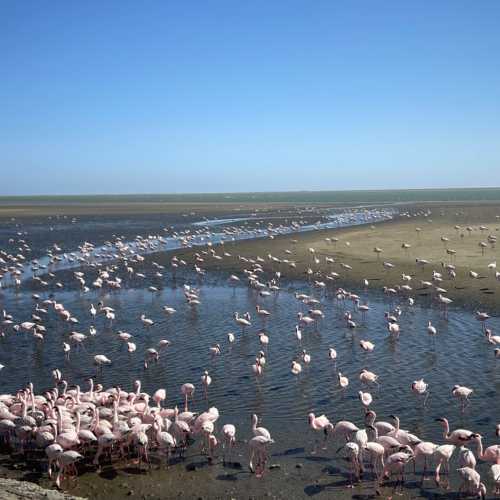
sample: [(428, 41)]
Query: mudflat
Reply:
[(462, 236)]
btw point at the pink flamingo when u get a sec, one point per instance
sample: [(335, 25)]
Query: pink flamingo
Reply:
[(229, 433), (320, 424), (187, 390)]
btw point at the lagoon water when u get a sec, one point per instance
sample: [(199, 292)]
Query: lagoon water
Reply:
[(459, 354)]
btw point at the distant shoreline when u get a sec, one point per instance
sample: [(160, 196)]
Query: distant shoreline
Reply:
[(419, 195), (218, 203)]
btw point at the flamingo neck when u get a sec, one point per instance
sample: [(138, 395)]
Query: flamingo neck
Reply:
[(115, 412), (446, 429), (24, 408), (59, 421), (397, 424), (480, 448), (96, 416)]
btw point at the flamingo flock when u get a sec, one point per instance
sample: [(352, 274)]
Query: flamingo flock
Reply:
[(70, 426)]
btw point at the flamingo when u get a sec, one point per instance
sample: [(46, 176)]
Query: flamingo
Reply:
[(462, 393), (396, 462), (343, 380), (259, 431), (482, 317), (243, 322), (404, 437), (206, 380), (101, 359), (345, 429), (431, 330), (66, 349), (263, 339), (495, 472), (215, 350), (296, 368), (353, 451), (332, 354), (490, 454), (424, 449), (166, 442), (366, 345), (159, 396), (229, 433), (66, 461), (492, 339), (147, 322), (382, 428), (257, 367), (320, 424), (466, 458), (187, 391), (471, 482), (305, 320), (420, 387), (367, 377), (306, 357), (393, 329), (258, 451), (298, 333), (53, 451), (365, 398), (263, 313), (458, 436)]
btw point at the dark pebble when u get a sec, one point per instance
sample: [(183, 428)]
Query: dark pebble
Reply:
[(299, 466)]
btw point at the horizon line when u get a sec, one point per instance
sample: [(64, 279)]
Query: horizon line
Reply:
[(190, 193)]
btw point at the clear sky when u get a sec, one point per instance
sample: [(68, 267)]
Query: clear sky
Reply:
[(209, 96)]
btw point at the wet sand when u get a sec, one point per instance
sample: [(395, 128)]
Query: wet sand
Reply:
[(194, 478), (355, 247)]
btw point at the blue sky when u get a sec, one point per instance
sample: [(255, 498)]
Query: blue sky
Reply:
[(127, 96)]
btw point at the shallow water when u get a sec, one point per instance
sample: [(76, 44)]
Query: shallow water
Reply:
[(459, 355)]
